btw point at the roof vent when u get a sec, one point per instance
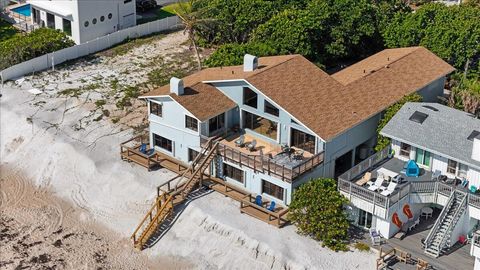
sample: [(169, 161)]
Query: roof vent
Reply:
[(250, 62), (476, 148), (418, 117), (176, 86), (430, 108), (473, 135)]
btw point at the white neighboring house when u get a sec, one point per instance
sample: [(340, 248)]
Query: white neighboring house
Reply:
[(84, 20), (445, 144)]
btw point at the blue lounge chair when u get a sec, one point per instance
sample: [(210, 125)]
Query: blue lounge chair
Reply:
[(143, 148), (412, 169), (271, 207), (150, 152), (473, 189), (258, 200)]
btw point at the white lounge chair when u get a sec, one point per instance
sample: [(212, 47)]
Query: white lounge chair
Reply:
[(415, 223), (389, 190), (377, 184)]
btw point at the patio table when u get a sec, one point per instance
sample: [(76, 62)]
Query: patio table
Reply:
[(427, 212)]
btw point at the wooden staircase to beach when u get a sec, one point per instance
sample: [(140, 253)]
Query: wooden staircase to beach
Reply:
[(169, 195)]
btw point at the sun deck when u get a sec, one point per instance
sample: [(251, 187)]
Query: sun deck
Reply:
[(428, 190), (268, 157)]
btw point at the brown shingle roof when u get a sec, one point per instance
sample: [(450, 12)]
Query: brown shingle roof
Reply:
[(328, 105), (202, 100), (372, 63)]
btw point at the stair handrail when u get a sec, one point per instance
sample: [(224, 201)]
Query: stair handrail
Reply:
[(199, 168), (160, 211), (455, 216), (155, 205), (197, 158), (439, 220)]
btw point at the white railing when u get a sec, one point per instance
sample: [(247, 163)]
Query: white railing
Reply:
[(99, 44)]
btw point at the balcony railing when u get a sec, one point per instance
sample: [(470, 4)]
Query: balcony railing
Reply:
[(265, 165), (346, 185)]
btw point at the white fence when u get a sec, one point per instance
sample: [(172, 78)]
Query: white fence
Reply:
[(49, 60)]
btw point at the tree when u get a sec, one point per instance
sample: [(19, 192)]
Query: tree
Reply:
[(452, 33), (20, 48), (383, 142), (192, 21), (465, 95), (232, 54), (234, 20), (317, 211)]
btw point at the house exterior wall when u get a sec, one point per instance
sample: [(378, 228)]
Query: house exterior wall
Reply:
[(172, 126), (431, 92), (253, 183), (123, 16)]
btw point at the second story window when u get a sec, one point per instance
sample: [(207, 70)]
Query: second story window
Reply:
[(270, 109), (191, 123), (250, 98), (156, 109)]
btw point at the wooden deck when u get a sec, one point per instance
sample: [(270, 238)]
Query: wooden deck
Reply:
[(457, 258), (247, 205)]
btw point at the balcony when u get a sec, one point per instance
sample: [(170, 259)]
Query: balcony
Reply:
[(268, 157), (423, 187), (475, 247)]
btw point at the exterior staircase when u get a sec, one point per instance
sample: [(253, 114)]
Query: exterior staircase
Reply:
[(167, 199), (439, 236)]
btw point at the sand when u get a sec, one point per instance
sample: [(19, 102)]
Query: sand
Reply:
[(81, 167)]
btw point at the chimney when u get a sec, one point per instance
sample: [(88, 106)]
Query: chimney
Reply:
[(476, 148), (250, 62), (176, 86)]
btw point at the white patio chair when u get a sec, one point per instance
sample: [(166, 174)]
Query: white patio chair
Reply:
[(415, 223), (375, 237), (377, 184), (389, 190)]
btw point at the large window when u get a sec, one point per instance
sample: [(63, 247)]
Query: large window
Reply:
[(260, 125), (249, 97), (270, 109), (156, 109), (162, 142), (272, 190), (191, 123), (216, 123), (192, 154), (422, 157), (67, 27), (302, 140), (233, 173), (405, 150)]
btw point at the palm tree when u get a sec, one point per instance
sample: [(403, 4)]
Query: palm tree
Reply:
[(192, 21)]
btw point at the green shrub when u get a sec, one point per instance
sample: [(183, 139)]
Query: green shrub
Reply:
[(362, 246), (317, 211), (383, 142), (21, 48)]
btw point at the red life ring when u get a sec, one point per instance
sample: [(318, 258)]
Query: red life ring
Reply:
[(396, 220), (407, 211)]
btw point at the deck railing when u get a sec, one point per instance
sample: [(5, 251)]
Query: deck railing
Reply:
[(346, 185), (131, 148), (266, 165), (276, 217)]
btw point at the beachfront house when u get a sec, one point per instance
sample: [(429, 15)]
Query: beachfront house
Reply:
[(282, 120), (434, 163), (83, 20), (257, 131)]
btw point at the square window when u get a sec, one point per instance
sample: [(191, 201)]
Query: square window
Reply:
[(191, 123)]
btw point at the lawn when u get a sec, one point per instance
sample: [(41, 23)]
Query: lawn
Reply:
[(6, 30), (160, 13)]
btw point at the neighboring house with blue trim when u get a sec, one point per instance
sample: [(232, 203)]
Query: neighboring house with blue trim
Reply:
[(305, 123)]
